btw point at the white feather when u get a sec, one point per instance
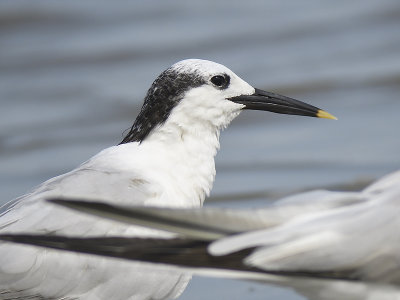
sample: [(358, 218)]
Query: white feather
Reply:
[(360, 237), (174, 166)]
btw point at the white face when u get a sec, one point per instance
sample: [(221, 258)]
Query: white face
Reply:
[(209, 102), (208, 69)]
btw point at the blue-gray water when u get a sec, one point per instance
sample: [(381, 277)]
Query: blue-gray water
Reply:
[(73, 75)]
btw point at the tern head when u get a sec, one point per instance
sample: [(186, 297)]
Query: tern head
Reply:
[(195, 92)]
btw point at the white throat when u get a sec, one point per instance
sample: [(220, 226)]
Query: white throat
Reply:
[(187, 144)]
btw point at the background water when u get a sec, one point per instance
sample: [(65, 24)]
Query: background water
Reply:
[(73, 75)]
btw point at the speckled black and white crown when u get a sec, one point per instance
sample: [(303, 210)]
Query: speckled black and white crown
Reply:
[(166, 92)]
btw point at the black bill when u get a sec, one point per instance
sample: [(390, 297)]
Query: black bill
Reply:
[(262, 100)]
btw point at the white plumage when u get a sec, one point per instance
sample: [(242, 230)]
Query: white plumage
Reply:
[(166, 160)]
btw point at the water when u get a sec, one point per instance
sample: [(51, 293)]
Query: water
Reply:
[(73, 75)]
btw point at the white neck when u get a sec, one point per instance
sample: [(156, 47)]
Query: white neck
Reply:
[(185, 160), (181, 151)]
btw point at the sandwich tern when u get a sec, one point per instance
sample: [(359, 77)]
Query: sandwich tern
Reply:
[(166, 159)]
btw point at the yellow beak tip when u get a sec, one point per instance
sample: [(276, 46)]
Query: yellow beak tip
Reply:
[(325, 115)]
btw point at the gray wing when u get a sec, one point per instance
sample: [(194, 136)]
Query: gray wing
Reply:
[(325, 234), (307, 240), (212, 223), (29, 271), (31, 212), (359, 242), (192, 256)]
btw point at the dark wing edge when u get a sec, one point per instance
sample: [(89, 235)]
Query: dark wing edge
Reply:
[(182, 253)]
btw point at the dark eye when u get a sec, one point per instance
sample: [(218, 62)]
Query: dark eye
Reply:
[(220, 81)]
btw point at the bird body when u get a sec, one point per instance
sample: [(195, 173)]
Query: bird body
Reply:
[(166, 159), (326, 245), (113, 171)]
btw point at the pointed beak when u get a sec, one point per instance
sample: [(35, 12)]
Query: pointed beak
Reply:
[(262, 100)]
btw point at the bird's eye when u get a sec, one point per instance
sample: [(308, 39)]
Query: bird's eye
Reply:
[(220, 81)]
